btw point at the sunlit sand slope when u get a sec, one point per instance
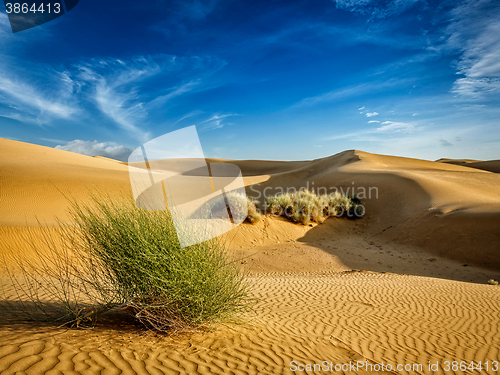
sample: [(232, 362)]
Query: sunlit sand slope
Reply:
[(35, 179), (360, 316)]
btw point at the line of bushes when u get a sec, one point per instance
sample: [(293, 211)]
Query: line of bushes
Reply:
[(304, 206)]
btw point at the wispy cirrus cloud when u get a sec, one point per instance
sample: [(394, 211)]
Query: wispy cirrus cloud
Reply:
[(376, 8), (174, 92), (395, 127), (387, 128), (21, 99), (120, 90), (215, 121), (475, 32), (371, 114), (189, 115), (476, 88), (113, 87), (352, 91)]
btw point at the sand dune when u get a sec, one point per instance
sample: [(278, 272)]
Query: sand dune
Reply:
[(35, 179), (490, 165), (306, 318), (423, 218), (446, 210)]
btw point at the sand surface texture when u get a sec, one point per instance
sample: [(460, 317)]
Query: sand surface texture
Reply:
[(406, 284)]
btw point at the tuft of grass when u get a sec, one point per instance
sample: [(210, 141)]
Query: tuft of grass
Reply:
[(117, 256), (253, 214), (305, 206), (243, 207)]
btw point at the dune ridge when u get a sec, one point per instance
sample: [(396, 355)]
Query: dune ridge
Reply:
[(489, 165)]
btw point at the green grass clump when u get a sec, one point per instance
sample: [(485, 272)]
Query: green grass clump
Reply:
[(116, 255), (304, 206)]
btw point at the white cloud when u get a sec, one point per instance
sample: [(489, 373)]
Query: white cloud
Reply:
[(415, 114), (215, 122), (189, 115), (118, 87), (476, 88), (391, 126), (118, 152), (360, 109), (38, 105), (376, 134), (475, 32), (114, 90), (371, 114), (372, 121)]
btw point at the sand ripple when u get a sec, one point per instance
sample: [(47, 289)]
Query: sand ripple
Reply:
[(356, 316)]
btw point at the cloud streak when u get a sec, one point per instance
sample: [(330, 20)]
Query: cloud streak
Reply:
[(349, 92), (395, 127), (475, 32), (376, 8), (34, 104), (387, 128), (118, 152), (215, 122)]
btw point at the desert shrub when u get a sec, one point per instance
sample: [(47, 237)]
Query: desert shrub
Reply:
[(305, 206), (253, 214), (243, 207), (117, 256)]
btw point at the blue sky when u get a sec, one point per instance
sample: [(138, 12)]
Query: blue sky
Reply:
[(283, 80)]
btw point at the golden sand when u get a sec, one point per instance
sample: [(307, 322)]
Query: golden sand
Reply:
[(390, 288)]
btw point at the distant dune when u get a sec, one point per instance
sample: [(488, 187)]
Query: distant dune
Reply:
[(34, 180), (490, 165), (388, 288)]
